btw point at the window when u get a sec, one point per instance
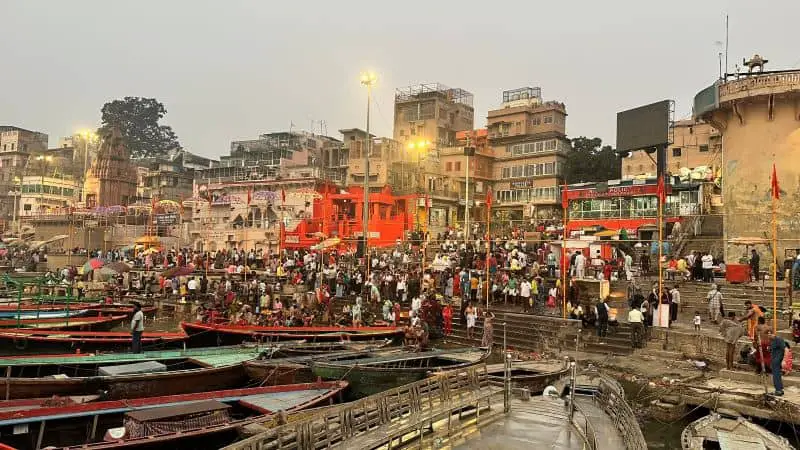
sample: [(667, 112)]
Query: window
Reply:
[(26, 207), (539, 147), (549, 168), (506, 172), (537, 120), (12, 146), (458, 166), (516, 171), (548, 119), (550, 145), (676, 152), (703, 148), (402, 132), (448, 167), (529, 170)]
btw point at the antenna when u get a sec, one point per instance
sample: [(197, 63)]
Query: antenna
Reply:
[(726, 45)]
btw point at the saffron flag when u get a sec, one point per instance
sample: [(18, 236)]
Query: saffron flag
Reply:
[(489, 198), (564, 199), (283, 195), (662, 194), (776, 189), (249, 195)]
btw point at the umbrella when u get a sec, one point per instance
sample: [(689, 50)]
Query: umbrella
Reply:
[(92, 264), (148, 240), (178, 271), (607, 233), (150, 250), (118, 267)]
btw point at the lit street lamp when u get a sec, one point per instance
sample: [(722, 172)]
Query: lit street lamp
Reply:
[(368, 79)]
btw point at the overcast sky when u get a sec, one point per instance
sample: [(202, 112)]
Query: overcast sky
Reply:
[(233, 69)]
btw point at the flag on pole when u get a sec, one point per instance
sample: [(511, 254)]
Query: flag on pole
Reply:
[(249, 195), (564, 199), (283, 196), (489, 198), (776, 189), (662, 193)]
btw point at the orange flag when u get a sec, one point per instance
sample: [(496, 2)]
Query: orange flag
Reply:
[(776, 189)]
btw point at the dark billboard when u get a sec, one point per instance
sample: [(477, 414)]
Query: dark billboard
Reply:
[(643, 127)]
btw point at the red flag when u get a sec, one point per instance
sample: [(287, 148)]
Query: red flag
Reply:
[(489, 198), (776, 189), (249, 195), (661, 193), (564, 199), (283, 196)]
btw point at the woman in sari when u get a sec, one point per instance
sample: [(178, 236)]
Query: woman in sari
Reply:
[(488, 330)]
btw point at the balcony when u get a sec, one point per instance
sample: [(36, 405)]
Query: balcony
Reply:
[(759, 85)]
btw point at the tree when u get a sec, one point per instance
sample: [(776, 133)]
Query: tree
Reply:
[(137, 120), (590, 160)]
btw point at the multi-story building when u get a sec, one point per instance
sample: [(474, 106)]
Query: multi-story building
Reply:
[(384, 152), (529, 143), (454, 167), (695, 144), (16, 145), (427, 118), (47, 195)]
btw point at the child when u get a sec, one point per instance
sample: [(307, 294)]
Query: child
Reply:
[(697, 321)]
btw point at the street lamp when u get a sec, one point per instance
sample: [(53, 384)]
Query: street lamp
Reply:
[(368, 79)]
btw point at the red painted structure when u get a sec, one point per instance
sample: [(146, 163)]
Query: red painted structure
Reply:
[(630, 220), (338, 214)]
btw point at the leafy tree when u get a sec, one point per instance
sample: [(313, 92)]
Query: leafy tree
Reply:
[(590, 160), (137, 120)]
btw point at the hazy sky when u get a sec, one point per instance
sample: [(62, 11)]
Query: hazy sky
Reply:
[(233, 69)]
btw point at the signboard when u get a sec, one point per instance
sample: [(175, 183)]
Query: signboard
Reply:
[(292, 239), (167, 219), (521, 184), (616, 191), (643, 127)]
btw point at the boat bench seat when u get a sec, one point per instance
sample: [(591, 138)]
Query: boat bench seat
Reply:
[(429, 412)]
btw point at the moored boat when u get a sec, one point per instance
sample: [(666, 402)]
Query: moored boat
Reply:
[(83, 323), (226, 334), (31, 310), (719, 431), (369, 376), (117, 309), (201, 420), (130, 375), (23, 341), (531, 375)]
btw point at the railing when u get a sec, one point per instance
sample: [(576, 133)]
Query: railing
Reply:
[(788, 81), (611, 398), (584, 426), (427, 399)]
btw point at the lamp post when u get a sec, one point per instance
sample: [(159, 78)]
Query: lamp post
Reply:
[(368, 79)]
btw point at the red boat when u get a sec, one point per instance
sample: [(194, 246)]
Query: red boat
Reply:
[(207, 334), (82, 323), (17, 341), (118, 309), (202, 420)]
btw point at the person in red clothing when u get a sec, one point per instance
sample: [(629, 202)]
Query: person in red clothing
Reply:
[(447, 315)]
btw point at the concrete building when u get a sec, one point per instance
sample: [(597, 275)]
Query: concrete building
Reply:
[(16, 144), (529, 144), (47, 195), (385, 152), (454, 166), (164, 178), (757, 116), (695, 144)]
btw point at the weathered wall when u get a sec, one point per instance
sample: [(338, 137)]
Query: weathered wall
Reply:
[(750, 144)]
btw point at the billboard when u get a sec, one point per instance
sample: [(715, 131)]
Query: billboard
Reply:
[(643, 127)]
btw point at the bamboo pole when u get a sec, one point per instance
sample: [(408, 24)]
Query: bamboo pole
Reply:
[(488, 250), (564, 266), (774, 264)]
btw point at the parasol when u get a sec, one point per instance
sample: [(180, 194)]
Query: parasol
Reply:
[(148, 240), (92, 264), (150, 251), (37, 244), (327, 243), (607, 233)]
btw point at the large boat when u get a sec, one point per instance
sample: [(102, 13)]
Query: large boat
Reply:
[(23, 341), (719, 431), (200, 420), (208, 334), (83, 323), (116, 309), (127, 375), (369, 376), (31, 310), (534, 376)]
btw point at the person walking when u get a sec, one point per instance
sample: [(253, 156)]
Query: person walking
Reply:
[(137, 328), (714, 298), (755, 261)]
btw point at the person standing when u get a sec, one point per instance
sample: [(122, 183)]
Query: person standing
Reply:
[(580, 264), (731, 331), (447, 316), (601, 312), (714, 302), (676, 303), (752, 315), (488, 330), (525, 293), (755, 261), (777, 347), (708, 267), (635, 319), (137, 328), (551, 264)]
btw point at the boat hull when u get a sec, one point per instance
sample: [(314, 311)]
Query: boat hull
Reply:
[(127, 386), (25, 342), (366, 381), (102, 323), (210, 334)]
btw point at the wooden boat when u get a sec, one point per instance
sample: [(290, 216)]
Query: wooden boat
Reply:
[(127, 375), (719, 431), (84, 323), (531, 375), (297, 369), (22, 341), (369, 376), (31, 310), (225, 334), (202, 420), (323, 348), (117, 309)]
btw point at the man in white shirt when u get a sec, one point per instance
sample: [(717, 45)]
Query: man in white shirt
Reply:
[(636, 319), (191, 285), (580, 264), (137, 328), (525, 293), (708, 267)]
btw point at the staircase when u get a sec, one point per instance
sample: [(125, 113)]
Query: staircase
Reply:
[(694, 294)]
